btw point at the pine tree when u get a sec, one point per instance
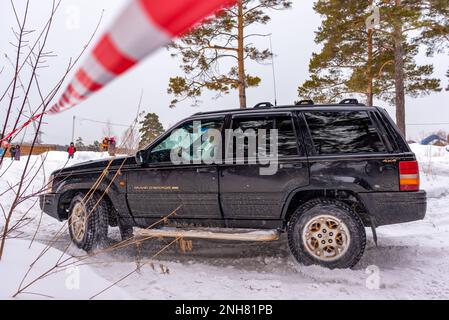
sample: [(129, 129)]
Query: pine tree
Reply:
[(379, 61), (95, 146), (224, 39), (436, 34), (150, 130), (436, 26)]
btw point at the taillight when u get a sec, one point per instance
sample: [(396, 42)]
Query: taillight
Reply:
[(408, 176)]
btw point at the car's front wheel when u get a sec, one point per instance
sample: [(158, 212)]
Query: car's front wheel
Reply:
[(88, 221), (326, 232)]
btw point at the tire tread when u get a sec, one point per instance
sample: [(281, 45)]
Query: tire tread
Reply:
[(325, 202)]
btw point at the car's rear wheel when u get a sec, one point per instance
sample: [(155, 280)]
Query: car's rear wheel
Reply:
[(88, 221), (326, 232)]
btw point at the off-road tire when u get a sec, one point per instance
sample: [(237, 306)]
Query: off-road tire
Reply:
[(96, 230), (314, 208)]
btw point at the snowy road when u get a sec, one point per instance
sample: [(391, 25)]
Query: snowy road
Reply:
[(410, 262)]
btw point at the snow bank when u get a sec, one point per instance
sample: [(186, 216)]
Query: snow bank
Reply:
[(438, 157), (434, 169), (80, 156), (63, 283)]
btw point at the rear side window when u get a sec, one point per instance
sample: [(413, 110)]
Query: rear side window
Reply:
[(336, 132), (250, 128), (286, 144), (394, 132)]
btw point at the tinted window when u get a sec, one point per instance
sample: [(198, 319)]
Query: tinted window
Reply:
[(245, 132), (287, 145), (343, 132), (187, 136), (250, 127)]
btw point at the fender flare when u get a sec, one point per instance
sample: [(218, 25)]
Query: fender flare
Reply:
[(117, 198)]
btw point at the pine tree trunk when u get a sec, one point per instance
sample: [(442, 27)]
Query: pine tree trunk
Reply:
[(369, 93), (399, 73), (240, 56)]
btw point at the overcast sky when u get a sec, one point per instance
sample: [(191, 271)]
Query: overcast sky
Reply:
[(292, 38)]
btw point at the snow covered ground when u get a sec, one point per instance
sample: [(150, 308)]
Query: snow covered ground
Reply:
[(65, 282), (411, 261)]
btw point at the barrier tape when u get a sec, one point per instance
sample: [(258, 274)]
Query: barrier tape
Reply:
[(141, 28), (18, 129)]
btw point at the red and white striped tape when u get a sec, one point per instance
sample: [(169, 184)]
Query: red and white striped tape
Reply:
[(18, 129), (142, 27)]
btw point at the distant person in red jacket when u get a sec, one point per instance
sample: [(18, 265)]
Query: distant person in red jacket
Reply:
[(71, 150)]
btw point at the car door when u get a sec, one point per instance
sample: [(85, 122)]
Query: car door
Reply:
[(162, 184), (246, 190)]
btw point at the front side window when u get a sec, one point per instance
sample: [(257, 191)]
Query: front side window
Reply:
[(193, 141), (336, 132)]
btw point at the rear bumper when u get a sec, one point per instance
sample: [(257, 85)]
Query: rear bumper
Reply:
[(49, 204), (395, 207)]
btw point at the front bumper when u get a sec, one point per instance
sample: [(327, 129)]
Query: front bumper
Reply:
[(395, 207), (49, 204)]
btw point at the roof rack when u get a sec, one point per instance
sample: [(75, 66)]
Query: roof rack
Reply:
[(349, 101), (304, 103), (263, 105)]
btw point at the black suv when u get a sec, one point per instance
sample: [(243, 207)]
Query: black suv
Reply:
[(338, 169)]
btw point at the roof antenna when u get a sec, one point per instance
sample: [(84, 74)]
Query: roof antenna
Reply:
[(274, 72)]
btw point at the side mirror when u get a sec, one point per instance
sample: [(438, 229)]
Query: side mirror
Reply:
[(140, 157)]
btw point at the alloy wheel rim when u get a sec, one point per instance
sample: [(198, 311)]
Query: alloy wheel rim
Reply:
[(326, 237), (78, 221)]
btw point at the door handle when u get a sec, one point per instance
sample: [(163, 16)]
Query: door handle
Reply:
[(291, 165), (206, 170)]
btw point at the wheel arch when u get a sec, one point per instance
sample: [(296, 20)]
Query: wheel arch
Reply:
[(349, 197), (70, 191)]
